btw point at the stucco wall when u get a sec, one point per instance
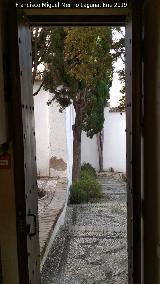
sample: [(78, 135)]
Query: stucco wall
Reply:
[(114, 141), (58, 141), (70, 118), (114, 153), (89, 151), (42, 131), (54, 138)]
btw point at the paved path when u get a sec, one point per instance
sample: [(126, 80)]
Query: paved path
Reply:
[(91, 247), (50, 207)]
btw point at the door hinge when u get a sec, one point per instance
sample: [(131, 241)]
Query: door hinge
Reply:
[(29, 226)]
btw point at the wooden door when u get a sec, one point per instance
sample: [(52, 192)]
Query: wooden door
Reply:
[(30, 170), (23, 129), (24, 148), (133, 140)]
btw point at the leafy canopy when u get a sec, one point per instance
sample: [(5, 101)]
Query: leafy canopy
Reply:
[(79, 70)]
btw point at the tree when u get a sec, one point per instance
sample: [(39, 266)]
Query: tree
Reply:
[(41, 49), (82, 65), (78, 70), (122, 104), (119, 52)]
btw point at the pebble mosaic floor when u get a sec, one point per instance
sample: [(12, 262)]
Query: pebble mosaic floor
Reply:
[(91, 247)]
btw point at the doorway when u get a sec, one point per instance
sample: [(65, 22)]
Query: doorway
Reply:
[(24, 109), (110, 211)]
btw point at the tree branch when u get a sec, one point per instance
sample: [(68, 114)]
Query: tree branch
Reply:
[(35, 56), (40, 87)]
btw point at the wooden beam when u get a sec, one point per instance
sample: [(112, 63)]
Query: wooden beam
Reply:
[(67, 11), (77, 16)]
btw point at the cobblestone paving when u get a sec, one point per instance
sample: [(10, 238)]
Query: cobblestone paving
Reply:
[(91, 248), (49, 207)]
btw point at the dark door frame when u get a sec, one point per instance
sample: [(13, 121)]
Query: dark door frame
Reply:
[(128, 17)]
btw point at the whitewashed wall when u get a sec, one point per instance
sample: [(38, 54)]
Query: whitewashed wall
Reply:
[(114, 141), (114, 154), (89, 152), (58, 141), (54, 138), (70, 119), (42, 130)]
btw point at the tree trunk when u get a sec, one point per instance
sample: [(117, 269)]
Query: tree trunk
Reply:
[(100, 139), (77, 130)]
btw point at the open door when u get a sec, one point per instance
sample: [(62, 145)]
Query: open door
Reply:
[(25, 172), (19, 50), (133, 140), (30, 170)]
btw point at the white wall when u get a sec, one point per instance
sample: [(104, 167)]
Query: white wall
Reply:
[(114, 153), (58, 141), (89, 151), (70, 119), (42, 130), (114, 141), (54, 137), (54, 140)]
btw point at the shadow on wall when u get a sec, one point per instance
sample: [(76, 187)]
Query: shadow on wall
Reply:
[(53, 137), (114, 147)]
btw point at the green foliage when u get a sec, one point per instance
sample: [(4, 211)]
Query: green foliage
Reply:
[(77, 193), (122, 104), (86, 168), (78, 69), (87, 187), (119, 52), (79, 60), (87, 52), (94, 119)]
